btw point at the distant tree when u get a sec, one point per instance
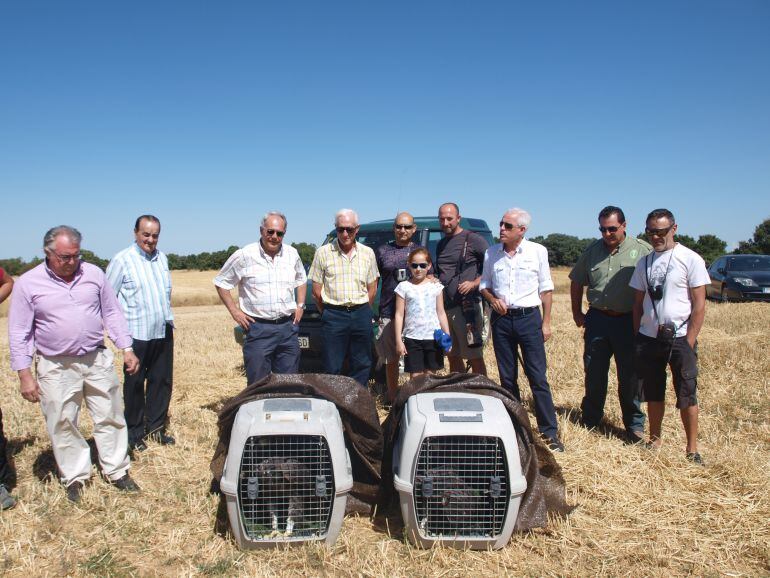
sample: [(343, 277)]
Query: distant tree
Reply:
[(201, 261), (760, 243), (306, 252), (687, 241), (91, 257), (710, 247), (563, 249)]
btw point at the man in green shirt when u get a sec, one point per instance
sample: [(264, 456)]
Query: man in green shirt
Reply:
[(605, 268)]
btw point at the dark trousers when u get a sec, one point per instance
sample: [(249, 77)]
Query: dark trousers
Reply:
[(146, 408), (604, 337), (271, 348), (5, 467), (348, 334), (509, 333)]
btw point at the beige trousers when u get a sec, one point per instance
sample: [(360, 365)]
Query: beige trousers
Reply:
[(65, 382)]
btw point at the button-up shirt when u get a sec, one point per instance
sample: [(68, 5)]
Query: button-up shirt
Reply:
[(265, 284), (344, 278), (53, 317), (520, 278), (607, 273), (143, 285)]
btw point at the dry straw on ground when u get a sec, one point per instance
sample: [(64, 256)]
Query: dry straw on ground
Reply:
[(639, 512)]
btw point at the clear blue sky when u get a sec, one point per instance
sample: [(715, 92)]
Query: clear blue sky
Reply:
[(208, 114)]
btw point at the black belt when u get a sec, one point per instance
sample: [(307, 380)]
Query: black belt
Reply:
[(274, 321), (520, 311), (345, 307), (610, 312)]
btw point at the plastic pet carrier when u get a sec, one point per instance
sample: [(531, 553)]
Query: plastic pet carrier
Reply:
[(287, 473), (457, 471)]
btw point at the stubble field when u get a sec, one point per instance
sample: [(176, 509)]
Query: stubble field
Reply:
[(638, 512)]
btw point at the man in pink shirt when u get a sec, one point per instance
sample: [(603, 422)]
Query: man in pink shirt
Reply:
[(59, 312)]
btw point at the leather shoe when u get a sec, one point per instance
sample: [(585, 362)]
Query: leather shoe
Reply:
[(126, 484), (635, 437), (75, 492), (554, 444), (162, 438), (139, 446)]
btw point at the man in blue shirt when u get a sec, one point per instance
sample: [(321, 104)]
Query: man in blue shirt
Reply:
[(141, 279)]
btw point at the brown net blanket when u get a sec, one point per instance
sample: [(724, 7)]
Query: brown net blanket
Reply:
[(545, 484), (361, 426)]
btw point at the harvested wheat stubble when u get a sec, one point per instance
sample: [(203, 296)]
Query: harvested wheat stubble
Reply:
[(639, 512)]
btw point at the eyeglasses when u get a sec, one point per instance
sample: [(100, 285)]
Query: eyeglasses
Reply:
[(67, 258), (348, 230), (509, 226), (271, 232), (612, 229), (418, 265), (403, 227), (658, 232)]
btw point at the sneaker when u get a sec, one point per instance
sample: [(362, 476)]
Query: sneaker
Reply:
[(695, 458), (554, 444), (139, 446), (162, 438), (7, 501), (126, 484), (75, 492)]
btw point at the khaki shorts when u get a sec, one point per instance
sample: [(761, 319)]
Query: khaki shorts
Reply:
[(458, 330), (386, 341)]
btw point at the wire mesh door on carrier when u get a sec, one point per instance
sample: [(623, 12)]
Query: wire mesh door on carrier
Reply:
[(457, 470), (287, 473)]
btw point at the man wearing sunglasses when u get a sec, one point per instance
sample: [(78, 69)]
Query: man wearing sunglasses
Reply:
[(392, 264), (141, 279), (271, 283), (59, 312), (669, 309), (516, 281), (344, 275), (605, 267)]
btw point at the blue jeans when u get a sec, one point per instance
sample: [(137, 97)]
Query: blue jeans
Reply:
[(509, 333), (348, 334), (604, 337), (270, 348)]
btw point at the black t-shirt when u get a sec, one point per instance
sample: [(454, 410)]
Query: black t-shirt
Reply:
[(448, 252)]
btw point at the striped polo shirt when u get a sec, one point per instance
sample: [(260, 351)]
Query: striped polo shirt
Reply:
[(143, 285), (344, 278)]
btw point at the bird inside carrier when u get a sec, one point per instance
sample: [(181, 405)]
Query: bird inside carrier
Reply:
[(287, 473), (457, 470)]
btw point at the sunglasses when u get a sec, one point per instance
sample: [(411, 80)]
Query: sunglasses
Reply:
[(658, 232), (612, 229), (348, 230), (418, 265), (404, 227), (509, 226), (271, 232)]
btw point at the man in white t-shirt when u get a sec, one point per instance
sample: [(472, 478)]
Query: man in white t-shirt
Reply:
[(669, 309)]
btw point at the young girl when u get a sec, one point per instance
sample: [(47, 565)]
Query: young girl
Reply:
[(419, 312)]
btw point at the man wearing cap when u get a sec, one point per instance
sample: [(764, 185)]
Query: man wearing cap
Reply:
[(141, 279), (267, 274), (344, 275), (59, 312), (392, 265), (606, 267)]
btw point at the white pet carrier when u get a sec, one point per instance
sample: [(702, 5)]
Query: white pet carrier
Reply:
[(287, 473), (457, 471)]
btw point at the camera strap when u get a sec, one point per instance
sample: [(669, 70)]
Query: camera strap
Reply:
[(648, 270)]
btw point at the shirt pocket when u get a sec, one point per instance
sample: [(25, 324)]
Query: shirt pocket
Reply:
[(527, 271)]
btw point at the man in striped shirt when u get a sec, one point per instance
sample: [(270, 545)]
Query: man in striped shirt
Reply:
[(266, 274), (344, 274), (141, 279)]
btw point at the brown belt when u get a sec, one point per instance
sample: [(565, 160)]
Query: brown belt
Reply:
[(610, 313)]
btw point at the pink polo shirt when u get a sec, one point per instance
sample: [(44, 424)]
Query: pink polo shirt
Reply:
[(53, 317)]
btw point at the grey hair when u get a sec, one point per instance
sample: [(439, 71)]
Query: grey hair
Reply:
[(269, 214), (523, 218), (49, 240), (346, 212)]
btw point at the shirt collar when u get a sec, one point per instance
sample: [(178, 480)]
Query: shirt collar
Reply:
[(264, 253), (78, 272), (143, 253), (336, 247)]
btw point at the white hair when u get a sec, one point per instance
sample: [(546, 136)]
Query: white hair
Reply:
[(273, 214), (49, 240), (346, 213), (523, 218)]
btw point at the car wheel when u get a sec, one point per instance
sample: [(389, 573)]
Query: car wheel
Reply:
[(723, 295)]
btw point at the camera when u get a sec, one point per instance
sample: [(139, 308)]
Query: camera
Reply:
[(666, 332), (656, 293), (400, 275)]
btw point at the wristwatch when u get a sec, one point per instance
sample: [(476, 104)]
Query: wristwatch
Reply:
[(128, 349), (301, 306)]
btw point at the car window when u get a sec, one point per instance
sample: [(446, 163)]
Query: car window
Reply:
[(748, 263), (717, 264)]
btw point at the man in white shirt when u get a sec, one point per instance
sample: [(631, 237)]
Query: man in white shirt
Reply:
[(669, 309), (266, 274), (516, 281)]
